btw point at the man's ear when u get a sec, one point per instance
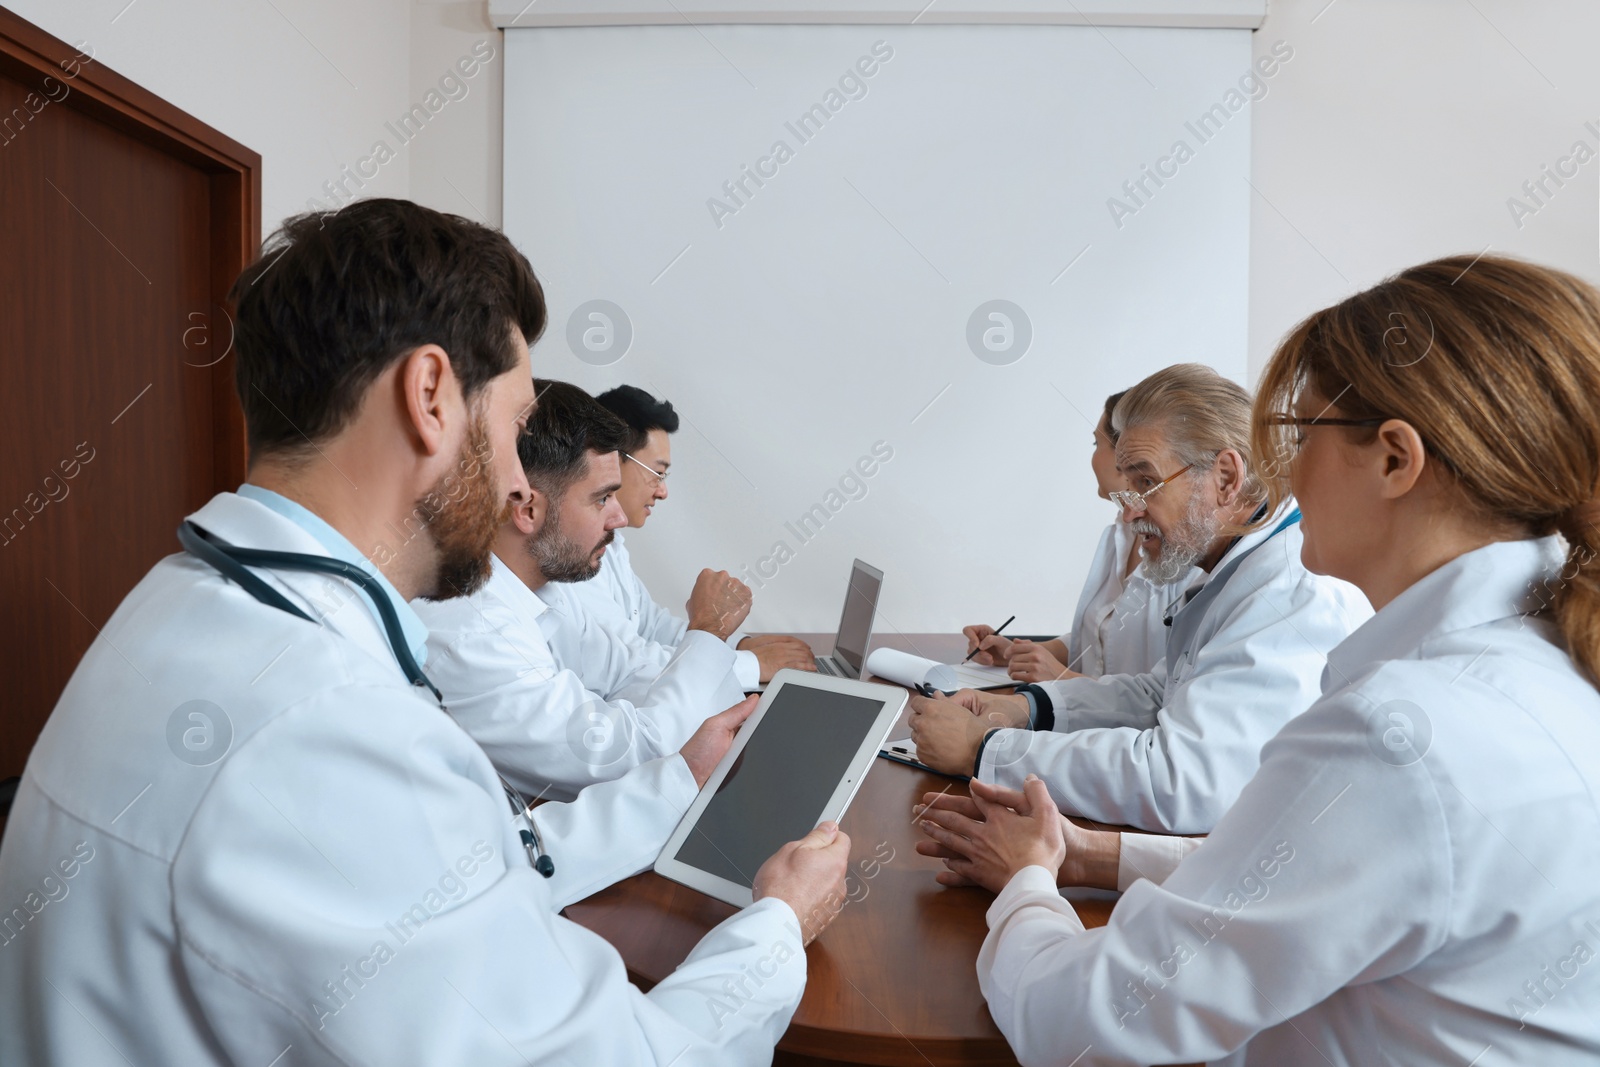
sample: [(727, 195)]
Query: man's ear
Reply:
[(1230, 474), (430, 397), (529, 518)]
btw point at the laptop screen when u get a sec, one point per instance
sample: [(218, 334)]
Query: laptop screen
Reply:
[(855, 624)]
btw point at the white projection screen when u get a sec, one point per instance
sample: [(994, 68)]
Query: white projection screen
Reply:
[(823, 314)]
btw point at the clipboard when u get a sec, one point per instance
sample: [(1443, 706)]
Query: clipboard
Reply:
[(904, 751)]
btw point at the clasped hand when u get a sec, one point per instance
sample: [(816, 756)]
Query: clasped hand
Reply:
[(986, 838)]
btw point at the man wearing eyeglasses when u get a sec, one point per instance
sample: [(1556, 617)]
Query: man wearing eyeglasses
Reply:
[(617, 595), (1169, 750)]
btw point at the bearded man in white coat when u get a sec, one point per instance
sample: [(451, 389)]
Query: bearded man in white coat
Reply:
[(1171, 748), (558, 698), (273, 844)]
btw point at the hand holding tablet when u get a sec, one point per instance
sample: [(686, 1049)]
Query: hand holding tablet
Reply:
[(796, 763), (808, 875), (707, 745)]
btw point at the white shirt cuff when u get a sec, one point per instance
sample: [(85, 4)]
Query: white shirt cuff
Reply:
[(1031, 885), (1152, 857), (746, 669)]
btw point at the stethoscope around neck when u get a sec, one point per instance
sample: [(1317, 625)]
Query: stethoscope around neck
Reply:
[(234, 564)]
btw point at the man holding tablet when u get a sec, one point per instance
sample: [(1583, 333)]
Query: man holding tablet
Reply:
[(332, 874)]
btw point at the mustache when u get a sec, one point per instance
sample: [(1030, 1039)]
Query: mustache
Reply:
[(1144, 526), (611, 535)]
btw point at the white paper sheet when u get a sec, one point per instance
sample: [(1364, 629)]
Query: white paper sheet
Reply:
[(909, 670)]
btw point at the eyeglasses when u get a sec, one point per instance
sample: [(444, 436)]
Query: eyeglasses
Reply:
[(1133, 500), (1297, 421), (659, 476)]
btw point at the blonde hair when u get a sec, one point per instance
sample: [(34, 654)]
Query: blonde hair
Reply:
[(1201, 414), (1496, 364)]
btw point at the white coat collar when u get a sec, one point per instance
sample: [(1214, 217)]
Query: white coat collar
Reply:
[(513, 591), (1250, 540), (249, 523), (1498, 581)]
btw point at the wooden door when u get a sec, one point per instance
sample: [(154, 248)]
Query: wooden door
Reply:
[(122, 223)]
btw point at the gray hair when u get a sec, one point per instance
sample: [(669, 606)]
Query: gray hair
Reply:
[(1201, 413)]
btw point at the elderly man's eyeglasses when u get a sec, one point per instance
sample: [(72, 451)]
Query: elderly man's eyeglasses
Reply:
[(1134, 500), (659, 476)]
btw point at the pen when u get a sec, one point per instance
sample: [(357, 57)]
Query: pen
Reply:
[(924, 689), (996, 633)]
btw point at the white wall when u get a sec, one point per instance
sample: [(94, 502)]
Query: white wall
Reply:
[(308, 85), (455, 165), (1397, 134), (826, 311)]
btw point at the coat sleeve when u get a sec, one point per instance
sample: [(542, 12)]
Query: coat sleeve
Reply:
[(1260, 667), (1258, 925), (660, 627), (649, 800), (1111, 700), (379, 910), (606, 653), (655, 623), (544, 728)]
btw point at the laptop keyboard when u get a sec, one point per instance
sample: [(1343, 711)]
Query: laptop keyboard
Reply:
[(825, 666)]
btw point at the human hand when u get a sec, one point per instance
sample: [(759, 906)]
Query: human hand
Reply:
[(993, 649), (755, 641), (708, 744), (948, 732), (998, 709), (1031, 662), (1014, 830), (775, 656), (1092, 855), (718, 604), (808, 875)]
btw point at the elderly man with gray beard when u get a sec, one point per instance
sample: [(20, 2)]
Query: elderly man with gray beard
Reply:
[(1169, 750)]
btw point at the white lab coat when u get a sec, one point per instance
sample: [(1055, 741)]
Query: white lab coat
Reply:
[(617, 595), (1170, 749), (345, 885), (1119, 624), (1361, 905), (552, 729)]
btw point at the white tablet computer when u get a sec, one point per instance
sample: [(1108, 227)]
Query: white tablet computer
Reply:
[(797, 761)]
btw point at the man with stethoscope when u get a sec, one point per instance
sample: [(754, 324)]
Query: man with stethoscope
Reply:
[(252, 833), (1169, 749)]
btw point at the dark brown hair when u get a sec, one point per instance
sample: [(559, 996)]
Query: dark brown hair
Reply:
[(337, 297), (567, 424)]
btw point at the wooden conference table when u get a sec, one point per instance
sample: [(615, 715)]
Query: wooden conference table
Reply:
[(893, 979)]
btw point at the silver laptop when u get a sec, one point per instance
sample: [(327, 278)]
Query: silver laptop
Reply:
[(855, 623)]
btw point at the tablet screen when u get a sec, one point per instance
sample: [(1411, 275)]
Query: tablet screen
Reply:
[(776, 790)]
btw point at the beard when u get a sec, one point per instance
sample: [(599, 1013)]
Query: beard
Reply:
[(1183, 547), (560, 558), (463, 511)]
